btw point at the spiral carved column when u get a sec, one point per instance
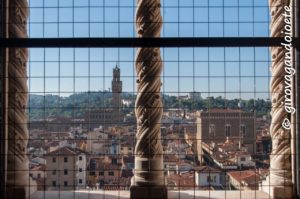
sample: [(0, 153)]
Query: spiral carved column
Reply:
[(148, 180), (17, 160), (279, 183)]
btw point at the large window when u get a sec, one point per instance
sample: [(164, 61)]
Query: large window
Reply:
[(215, 91), (227, 130), (212, 131), (243, 130), (80, 87)]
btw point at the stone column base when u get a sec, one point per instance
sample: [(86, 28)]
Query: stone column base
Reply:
[(15, 193), (280, 192), (148, 192), (277, 191)]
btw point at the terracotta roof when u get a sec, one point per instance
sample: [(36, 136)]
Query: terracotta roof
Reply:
[(216, 110), (249, 177), (206, 169), (54, 134), (170, 158), (185, 180), (38, 168), (64, 151), (35, 143)]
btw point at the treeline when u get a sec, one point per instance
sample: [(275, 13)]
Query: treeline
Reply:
[(75, 105), (261, 106)]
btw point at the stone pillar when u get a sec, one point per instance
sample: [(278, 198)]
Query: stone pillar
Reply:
[(17, 160), (148, 180), (3, 118), (279, 183)]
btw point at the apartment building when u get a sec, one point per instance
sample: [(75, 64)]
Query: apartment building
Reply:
[(66, 169)]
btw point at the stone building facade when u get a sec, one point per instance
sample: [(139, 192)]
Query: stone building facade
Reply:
[(219, 124), (108, 116), (65, 169)]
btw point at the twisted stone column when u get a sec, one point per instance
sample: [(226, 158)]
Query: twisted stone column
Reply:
[(17, 160), (3, 102), (278, 183), (148, 180)]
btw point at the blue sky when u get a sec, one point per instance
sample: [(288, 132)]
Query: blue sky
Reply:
[(228, 72)]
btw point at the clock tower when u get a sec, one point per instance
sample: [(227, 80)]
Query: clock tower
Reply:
[(116, 85)]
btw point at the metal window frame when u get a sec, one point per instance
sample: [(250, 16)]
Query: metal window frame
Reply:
[(163, 42), (149, 42)]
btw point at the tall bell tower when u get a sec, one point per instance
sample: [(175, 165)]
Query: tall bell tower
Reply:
[(116, 85)]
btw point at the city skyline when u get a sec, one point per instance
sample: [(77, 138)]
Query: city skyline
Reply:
[(227, 72)]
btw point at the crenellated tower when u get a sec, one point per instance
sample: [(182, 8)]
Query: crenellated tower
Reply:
[(116, 85)]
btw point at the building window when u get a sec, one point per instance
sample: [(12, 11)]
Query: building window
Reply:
[(212, 179), (243, 159), (80, 181), (65, 159), (65, 183), (101, 173), (53, 172), (114, 161), (111, 173), (80, 169), (53, 159), (66, 172), (227, 130), (53, 183), (212, 130), (39, 175), (243, 130), (92, 173), (80, 158)]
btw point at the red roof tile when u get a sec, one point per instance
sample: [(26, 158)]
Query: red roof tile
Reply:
[(62, 151)]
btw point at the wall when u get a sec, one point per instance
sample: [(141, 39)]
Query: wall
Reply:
[(60, 165), (201, 179), (81, 164)]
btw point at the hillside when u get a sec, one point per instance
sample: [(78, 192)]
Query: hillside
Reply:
[(75, 105)]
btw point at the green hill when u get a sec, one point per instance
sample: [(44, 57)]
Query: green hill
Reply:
[(75, 105)]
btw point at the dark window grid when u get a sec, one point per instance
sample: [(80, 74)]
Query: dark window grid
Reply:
[(183, 6), (54, 183), (163, 6), (143, 42)]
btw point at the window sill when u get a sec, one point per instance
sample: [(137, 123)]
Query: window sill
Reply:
[(185, 194)]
